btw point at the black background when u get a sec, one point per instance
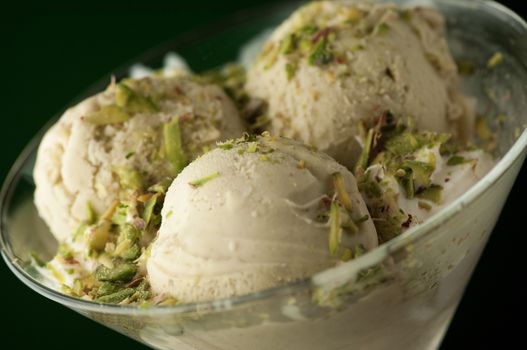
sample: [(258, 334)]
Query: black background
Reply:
[(50, 53)]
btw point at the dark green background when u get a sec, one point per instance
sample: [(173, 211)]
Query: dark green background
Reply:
[(51, 53)]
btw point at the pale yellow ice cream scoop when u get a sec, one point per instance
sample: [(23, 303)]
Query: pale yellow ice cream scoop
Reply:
[(134, 134), (254, 214), (333, 65)]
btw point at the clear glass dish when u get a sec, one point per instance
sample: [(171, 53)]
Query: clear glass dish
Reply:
[(419, 276)]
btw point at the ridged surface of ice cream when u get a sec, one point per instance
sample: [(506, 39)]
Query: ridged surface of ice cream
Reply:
[(334, 64), (126, 138), (252, 215)]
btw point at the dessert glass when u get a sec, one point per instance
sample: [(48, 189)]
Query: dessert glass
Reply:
[(402, 295)]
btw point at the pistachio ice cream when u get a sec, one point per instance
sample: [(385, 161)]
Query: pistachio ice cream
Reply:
[(253, 214), (335, 65), (134, 134)]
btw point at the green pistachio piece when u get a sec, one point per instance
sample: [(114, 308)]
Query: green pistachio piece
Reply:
[(382, 28), (496, 59), (162, 186), (79, 232), (120, 216), (364, 157), (110, 114), (421, 172), (290, 70), (117, 297), (432, 193), (149, 208), (97, 236), (130, 100), (131, 253), (91, 216), (129, 178), (309, 29), (335, 231), (457, 160), (370, 188), (107, 288), (407, 182), (340, 189), (204, 180), (123, 272), (174, 146), (288, 44), (131, 232), (321, 54), (402, 144)]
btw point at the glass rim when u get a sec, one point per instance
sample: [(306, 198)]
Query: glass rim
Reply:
[(328, 276)]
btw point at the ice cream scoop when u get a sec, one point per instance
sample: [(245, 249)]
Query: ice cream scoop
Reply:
[(334, 65), (133, 135), (256, 213)]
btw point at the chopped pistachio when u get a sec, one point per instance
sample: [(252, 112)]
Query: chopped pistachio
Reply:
[(347, 255), (290, 69), (79, 232), (400, 172), (496, 59), (129, 178), (174, 146), (162, 186), (340, 189), (131, 100), (227, 145), (457, 160), (402, 144), (370, 187), (362, 219), (97, 236), (110, 114), (132, 253), (288, 44), (123, 272), (421, 172), (169, 214), (149, 208), (424, 205), (252, 147), (117, 297), (204, 180), (405, 14), (432, 193), (321, 54), (107, 288), (407, 183), (382, 28), (335, 232), (364, 157), (309, 29)]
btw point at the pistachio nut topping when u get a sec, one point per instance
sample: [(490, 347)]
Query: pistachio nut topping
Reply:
[(407, 175)]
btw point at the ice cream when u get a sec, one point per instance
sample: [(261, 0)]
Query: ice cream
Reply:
[(256, 213), (133, 135), (334, 65), (407, 176)]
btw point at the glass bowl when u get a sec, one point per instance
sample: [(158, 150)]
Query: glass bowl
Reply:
[(402, 295)]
